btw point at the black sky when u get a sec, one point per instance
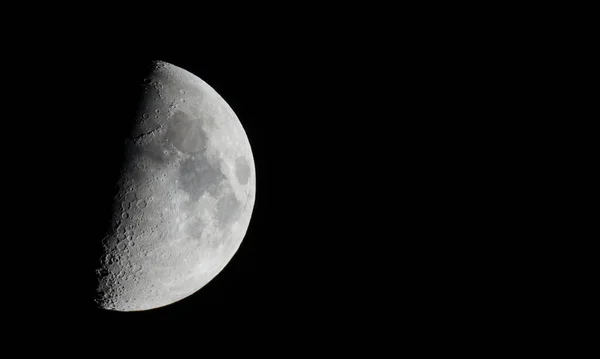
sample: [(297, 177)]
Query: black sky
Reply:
[(322, 116), (349, 129), (333, 129), (304, 114), (385, 143)]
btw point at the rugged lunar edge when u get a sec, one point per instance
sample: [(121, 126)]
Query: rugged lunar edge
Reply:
[(185, 195)]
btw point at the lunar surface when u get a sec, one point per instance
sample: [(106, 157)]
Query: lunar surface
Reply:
[(184, 199)]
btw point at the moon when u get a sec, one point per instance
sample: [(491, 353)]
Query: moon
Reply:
[(184, 195)]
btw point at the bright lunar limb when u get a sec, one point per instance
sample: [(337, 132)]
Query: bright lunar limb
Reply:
[(185, 195)]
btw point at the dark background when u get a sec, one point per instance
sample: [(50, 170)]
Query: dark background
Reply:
[(338, 129), (400, 161), (371, 184), (274, 275), (312, 122)]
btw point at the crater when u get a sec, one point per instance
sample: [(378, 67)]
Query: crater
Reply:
[(121, 229), (125, 206), (242, 170), (142, 203)]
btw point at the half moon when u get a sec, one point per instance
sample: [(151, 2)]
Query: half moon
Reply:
[(184, 199)]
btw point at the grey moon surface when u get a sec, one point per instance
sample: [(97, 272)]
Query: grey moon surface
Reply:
[(185, 195)]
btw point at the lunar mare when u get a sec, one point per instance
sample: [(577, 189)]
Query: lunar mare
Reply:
[(184, 197)]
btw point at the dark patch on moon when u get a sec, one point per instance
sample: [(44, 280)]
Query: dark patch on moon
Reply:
[(197, 175), (195, 228), (137, 173), (156, 152), (228, 210), (242, 170), (186, 134)]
